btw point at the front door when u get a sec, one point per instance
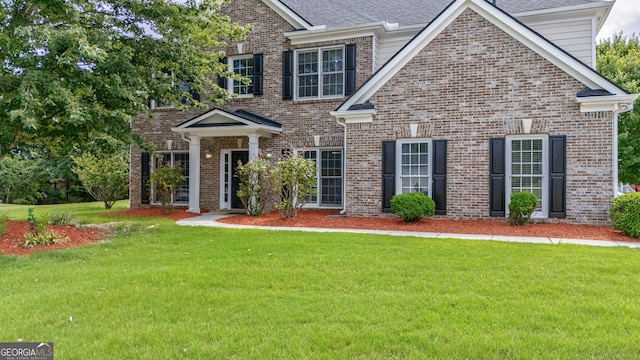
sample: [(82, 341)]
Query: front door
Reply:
[(242, 157)]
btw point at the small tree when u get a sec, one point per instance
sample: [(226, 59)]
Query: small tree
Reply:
[(106, 177), (256, 185), (297, 177), (521, 206), (166, 180)]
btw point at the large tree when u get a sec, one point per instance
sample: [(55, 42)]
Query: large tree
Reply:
[(71, 68), (618, 58)]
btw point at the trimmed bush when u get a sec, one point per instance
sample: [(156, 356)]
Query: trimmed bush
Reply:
[(625, 214), (521, 207), (411, 207)]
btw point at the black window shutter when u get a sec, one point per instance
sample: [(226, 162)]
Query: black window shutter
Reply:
[(496, 176), (350, 69), (146, 173), (195, 95), (287, 75), (388, 174), (439, 189), (558, 176), (258, 60), (222, 81)]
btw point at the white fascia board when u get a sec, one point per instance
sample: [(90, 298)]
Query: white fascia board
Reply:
[(606, 103), (322, 33), (227, 131), (289, 15), (355, 116), (526, 36)]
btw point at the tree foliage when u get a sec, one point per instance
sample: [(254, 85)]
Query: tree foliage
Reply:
[(618, 58), (22, 178), (105, 177), (73, 67)]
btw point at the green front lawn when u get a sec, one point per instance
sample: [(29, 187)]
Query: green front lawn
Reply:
[(169, 292)]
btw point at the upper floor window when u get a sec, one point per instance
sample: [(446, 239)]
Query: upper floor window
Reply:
[(185, 88), (320, 73), (242, 66)]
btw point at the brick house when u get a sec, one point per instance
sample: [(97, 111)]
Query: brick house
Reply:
[(467, 101)]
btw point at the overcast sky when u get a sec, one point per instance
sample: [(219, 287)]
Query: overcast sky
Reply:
[(625, 17)]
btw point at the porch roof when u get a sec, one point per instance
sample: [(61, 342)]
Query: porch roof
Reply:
[(222, 123)]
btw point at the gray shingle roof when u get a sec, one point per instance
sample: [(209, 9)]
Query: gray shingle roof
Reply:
[(335, 13)]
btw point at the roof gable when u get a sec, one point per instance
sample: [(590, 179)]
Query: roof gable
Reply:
[(498, 18)]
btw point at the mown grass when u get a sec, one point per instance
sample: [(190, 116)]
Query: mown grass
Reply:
[(173, 292)]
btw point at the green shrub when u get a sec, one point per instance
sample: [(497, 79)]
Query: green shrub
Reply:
[(45, 237), (256, 185), (625, 214), (411, 207), (521, 206), (297, 178), (166, 180), (63, 218)]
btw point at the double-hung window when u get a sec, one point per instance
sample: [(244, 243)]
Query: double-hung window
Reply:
[(180, 159), (242, 66), (413, 166), (527, 169), (329, 176), (320, 73)]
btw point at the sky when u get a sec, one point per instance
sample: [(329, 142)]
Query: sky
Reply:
[(625, 17)]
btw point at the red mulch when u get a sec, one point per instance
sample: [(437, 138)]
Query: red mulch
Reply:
[(12, 239), (319, 219)]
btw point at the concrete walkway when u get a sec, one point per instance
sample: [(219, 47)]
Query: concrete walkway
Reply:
[(210, 220)]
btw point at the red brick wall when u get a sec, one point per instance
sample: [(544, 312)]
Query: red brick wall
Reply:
[(300, 120), (472, 83)]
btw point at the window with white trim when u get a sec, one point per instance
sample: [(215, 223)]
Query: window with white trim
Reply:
[(242, 66), (413, 166), (329, 176), (319, 73), (175, 159), (527, 169)]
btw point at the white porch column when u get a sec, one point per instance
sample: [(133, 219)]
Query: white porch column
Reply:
[(194, 174), (254, 146)]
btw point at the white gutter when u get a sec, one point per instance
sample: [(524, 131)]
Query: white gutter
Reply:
[(344, 165)]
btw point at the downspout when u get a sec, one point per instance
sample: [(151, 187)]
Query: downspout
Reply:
[(344, 165), (621, 108)]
